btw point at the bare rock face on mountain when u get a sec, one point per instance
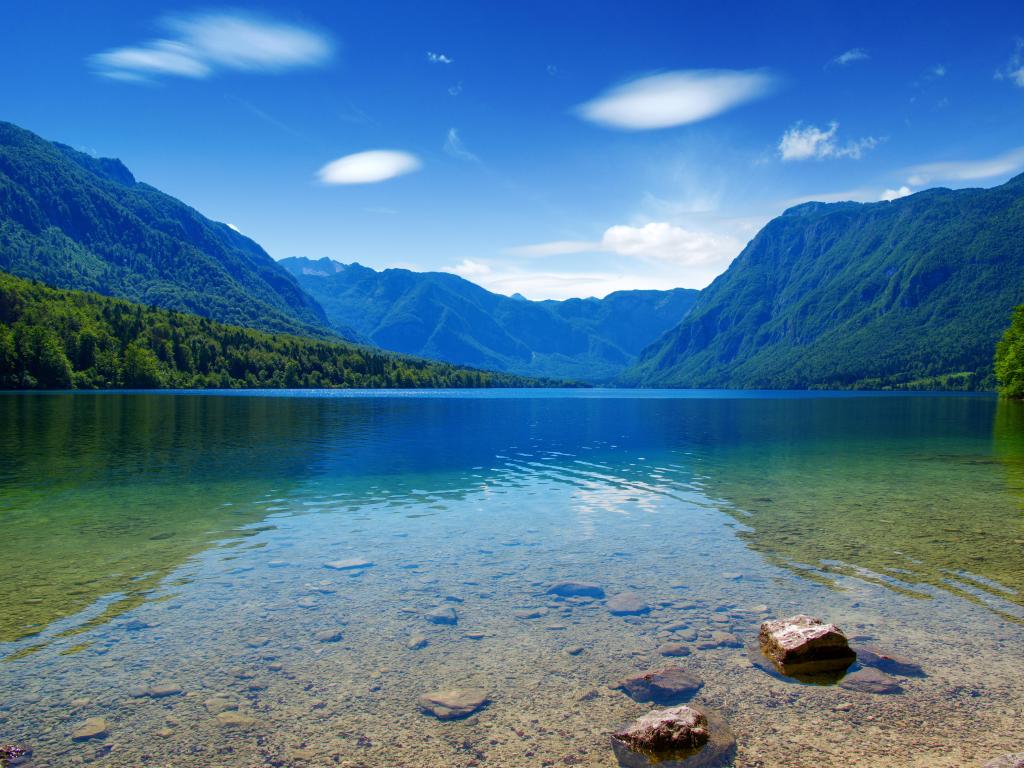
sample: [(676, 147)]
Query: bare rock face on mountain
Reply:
[(804, 645)]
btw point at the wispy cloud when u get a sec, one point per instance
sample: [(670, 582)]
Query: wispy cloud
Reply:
[(368, 167), (968, 170), (454, 147), (197, 46), (939, 70), (1014, 69), (808, 142), (849, 57), (469, 268), (675, 98), (438, 58), (655, 241), (455, 90)]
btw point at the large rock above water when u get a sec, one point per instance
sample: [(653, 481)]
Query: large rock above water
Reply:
[(670, 685), (453, 704), (803, 645), (664, 730), (575, 589)]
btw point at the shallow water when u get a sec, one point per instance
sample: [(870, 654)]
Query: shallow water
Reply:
[(182, 539)]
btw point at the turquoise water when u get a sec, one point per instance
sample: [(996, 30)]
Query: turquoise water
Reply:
[(182, 539)]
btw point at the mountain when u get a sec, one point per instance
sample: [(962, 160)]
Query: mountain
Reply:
[(909, 293), (442, 316), (75, 221), (58, 339)]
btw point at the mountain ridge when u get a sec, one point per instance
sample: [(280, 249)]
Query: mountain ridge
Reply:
[(443, 316)]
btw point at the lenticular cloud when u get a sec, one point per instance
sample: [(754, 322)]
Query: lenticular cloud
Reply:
[(369, 167), (675, 98)]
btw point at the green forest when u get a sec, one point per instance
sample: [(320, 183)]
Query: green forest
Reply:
[(59, 339), (1009, 363)]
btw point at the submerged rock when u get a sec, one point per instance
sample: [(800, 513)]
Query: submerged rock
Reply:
[(350, 564), (627, 604), (329, 636), (575, 589), (157, 691), (671, 685), (720, 639), (805, 646), (674, 649), (444, 615), (530, 613), (416, 642), (1007, 761), (234, 719), (869, 680), (667, 730), (93, 728), (453, 704), (871, 656)]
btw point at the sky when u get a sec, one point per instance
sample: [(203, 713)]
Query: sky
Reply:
[(555, 149)]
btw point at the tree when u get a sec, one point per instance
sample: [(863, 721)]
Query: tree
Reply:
[(141, 369)]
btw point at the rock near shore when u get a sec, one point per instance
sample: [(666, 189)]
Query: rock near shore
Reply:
[(805, 645), (663, 730), (670, 685), (453, 704)]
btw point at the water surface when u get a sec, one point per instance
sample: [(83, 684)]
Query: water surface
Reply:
[(182, 538)]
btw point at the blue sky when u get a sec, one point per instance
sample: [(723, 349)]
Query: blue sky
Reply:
[(553, 148)]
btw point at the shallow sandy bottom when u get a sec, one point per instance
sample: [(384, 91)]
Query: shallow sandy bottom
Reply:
[(237, 625)]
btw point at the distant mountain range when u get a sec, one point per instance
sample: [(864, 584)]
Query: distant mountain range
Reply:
[(913, 292), (909, 293), (442, 316), (75, 221)]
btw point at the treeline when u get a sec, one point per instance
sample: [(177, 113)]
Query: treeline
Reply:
[(58, 339), (1010, 357)]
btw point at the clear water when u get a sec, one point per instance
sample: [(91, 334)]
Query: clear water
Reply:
[(181, 538)]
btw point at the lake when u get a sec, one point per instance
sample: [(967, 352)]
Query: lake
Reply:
[(166, 569)]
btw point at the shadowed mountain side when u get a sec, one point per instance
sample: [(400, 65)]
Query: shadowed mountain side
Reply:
[(442, 316), (75, 221), (910, 293)]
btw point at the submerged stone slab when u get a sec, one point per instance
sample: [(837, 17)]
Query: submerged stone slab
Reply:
[(444, 615), (1007, 761), (627, 604), (93, 728), (351, 564), (453, 704), (803, 645), (670, 685), (873, 656), (329, 636), (870, 680), (576, 589)]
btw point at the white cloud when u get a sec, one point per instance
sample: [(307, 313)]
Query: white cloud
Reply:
[(438, 58), (455, 90), (812, 143), (939, 70), (201, 44), (656, 241), (454, 147), (896, 194), (468, 268), (1014, 69), (369, 167), (675, 98), (850, 56), (968, 170)]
